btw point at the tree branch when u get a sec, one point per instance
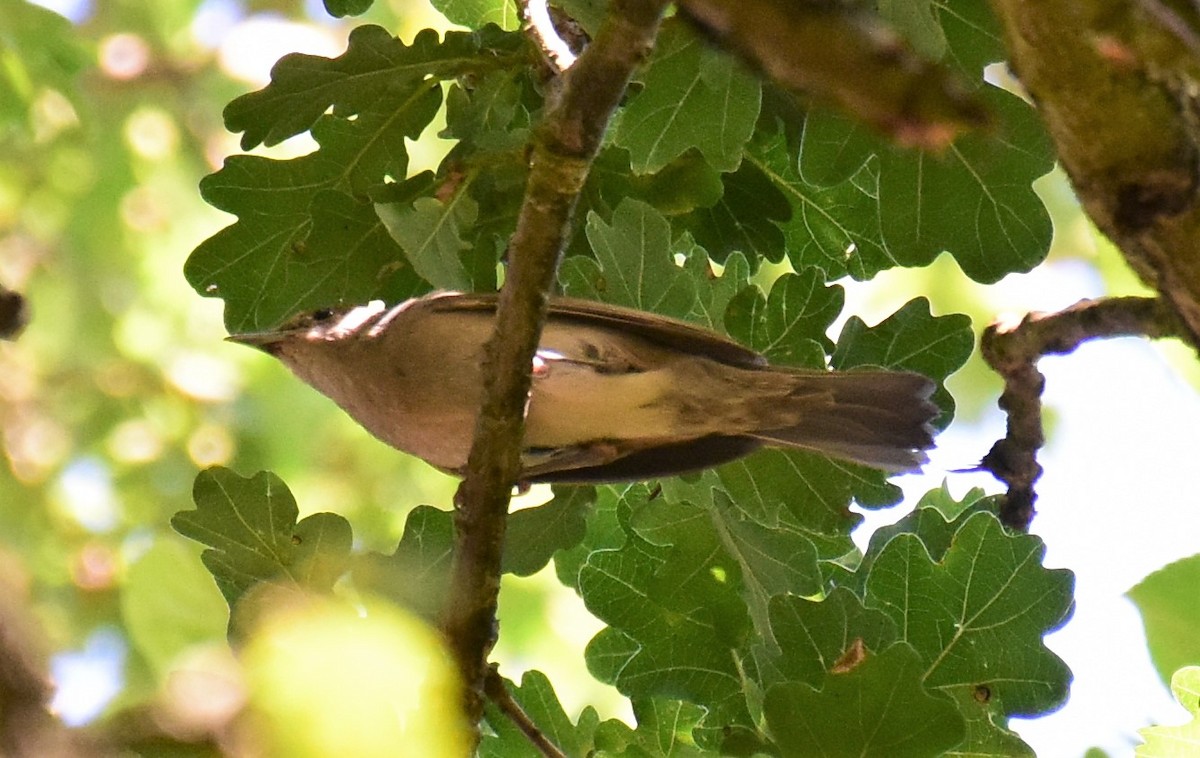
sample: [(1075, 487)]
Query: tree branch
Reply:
[(555, 49), (499, 694), (843, 53), (27, 727), (1013, 350), (561, 152), (1115, 84)]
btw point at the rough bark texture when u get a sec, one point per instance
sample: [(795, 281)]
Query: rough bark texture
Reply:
[(1013, 351), (1116, 83)]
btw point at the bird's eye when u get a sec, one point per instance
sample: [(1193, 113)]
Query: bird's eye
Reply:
[(322, 315)]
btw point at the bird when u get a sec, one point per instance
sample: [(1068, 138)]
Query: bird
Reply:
[(617, 395)]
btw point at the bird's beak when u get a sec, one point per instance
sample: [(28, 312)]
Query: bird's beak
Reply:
[(268, 342)]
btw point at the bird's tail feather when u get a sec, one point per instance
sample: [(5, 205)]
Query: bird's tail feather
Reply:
[(878, 418)]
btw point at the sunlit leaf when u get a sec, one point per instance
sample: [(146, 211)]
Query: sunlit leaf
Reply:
[(476, 13), (391, 682), (1176, 741), (1167, 602), (169, 604), (376, 72)]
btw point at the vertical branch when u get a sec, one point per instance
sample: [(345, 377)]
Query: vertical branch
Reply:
[(1117, 94), (1013, 350), (561, 153)]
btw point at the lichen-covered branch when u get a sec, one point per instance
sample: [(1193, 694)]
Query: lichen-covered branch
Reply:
[(1116, 86), (1013, 350), (561, 152)]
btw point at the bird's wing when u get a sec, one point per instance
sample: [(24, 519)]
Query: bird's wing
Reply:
[(623, 462), (664, 331)]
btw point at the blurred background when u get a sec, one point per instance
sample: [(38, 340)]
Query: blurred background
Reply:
[(121, 389)]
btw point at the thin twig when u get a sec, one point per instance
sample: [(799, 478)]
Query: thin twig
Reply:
[(1173, 22), (1013, 350), (561, 152), (498, 693), (558, 53)]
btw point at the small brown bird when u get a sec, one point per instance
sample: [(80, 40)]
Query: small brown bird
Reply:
[(618, 394)]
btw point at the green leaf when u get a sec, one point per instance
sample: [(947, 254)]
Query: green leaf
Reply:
[(692, 97), (1170, 613), (487, 114), (431, 233), (169, 604), (975, 201), (814, 490), (773, 560), (977, 617), (475, 13), (302, 240), (665, 727), (250, 527), (934, 520), (913, 339), (673, 625), (716, 547), (537, 699), (789, 325), (684, 185), (973, 36), (633, 264), (533, 535), (878, 708), (417, 574), (813, 635), (41, 51), (834, 227), (745, 219), (603, 526), (343, 8), (376, 73), (716, 292), (987, 726), (361, 108), (1176, 741)]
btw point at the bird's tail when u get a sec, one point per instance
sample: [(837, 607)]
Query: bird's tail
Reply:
[(881, 419)]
